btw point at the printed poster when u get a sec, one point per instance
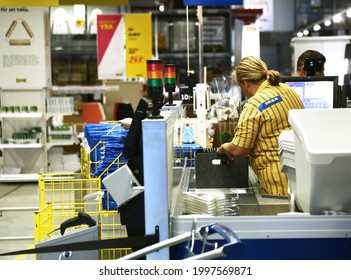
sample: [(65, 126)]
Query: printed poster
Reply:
[(124, 45), (24, 48), (110, 47), (138, 43)]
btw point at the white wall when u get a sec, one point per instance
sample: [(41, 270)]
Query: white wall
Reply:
[(332, 47), (278, 15)]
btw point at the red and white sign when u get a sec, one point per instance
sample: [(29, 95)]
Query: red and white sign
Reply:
[(110, 47)]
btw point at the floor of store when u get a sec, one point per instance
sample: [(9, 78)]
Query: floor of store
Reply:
[(18, 202)]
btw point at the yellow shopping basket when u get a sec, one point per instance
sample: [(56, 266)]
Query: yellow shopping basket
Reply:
[(63, 196)]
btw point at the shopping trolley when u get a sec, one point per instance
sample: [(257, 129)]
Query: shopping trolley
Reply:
[(209, 249)]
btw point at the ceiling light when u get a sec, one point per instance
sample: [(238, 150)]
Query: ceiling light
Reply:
[(161, 8), (348, 12), (60, 15), (327, 22), (305, 32), (317, 27), (299, 34), (337, 18), (94, 13)]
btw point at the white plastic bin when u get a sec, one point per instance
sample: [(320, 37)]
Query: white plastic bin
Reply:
[(286, 152), (323, 159)]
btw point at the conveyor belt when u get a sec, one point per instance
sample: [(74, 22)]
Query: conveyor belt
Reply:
[(249, 201)]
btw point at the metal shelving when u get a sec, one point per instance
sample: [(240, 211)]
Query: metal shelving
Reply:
[(216, 44), (23, 134)]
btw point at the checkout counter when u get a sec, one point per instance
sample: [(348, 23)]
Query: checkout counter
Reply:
[(269, 228)]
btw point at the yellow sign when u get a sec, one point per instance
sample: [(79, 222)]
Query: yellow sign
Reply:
[(20, 3), (48, 3), (80, 22), (138, 32)]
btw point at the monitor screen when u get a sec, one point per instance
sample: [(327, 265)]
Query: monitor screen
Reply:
[(316, 92)]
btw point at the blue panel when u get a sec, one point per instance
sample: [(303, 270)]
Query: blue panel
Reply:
[(212, 2), (281, 249)]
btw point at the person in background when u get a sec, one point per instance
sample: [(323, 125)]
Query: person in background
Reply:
[(315, 66), (263, 118)]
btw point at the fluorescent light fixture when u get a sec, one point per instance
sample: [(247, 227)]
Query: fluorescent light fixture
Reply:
[(94, 13), (60, 15), (79, 11)]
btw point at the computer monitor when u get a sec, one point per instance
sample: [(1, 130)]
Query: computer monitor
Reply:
[(316, 92)]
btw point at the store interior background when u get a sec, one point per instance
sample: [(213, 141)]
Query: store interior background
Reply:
[(74, 55), (74, 60)]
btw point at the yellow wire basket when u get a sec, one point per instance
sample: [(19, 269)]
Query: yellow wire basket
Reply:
[(63, 196), (49, 218), (68, 188)]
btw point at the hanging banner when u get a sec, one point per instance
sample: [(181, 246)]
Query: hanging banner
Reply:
[(266, 20), (138, 43), (250, 43), (110, 47)]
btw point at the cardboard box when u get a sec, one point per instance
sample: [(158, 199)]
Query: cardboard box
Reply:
[(76, 120), (121, 92)]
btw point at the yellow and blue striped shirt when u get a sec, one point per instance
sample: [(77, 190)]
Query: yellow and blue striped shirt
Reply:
[(264, 117)]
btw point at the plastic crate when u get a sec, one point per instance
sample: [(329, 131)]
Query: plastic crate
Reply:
[(185, 154)]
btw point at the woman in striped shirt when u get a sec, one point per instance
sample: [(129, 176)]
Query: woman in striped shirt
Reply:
[(263, 118)]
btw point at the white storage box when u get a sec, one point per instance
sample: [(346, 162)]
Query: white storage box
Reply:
[(286, 148), (122, 185), (62, 132), (286, 151), (323, 159)]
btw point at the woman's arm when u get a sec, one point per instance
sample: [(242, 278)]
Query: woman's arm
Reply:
[(232, 151)]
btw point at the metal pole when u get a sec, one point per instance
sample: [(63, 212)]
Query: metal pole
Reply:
[(200, 45)]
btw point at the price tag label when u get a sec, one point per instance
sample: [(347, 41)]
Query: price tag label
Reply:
[(186, 84)]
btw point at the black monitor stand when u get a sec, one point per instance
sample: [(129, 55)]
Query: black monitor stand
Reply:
[(133, 212)]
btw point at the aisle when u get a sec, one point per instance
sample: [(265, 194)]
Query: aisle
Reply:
[(18, 202)]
